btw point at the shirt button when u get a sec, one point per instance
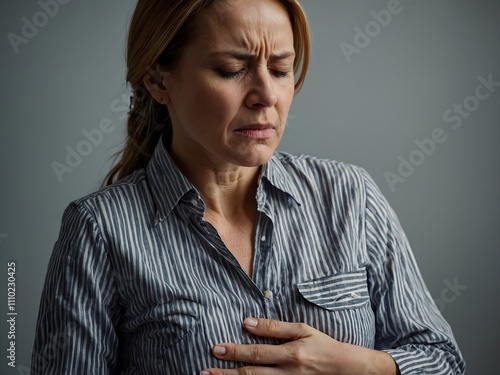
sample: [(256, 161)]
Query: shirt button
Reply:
[(268, 294), (194, 202), (263, 238)]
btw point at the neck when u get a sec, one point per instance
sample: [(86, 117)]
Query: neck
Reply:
[(227, 190)]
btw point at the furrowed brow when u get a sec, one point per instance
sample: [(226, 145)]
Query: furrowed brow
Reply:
[(283, 56), (234, 54), (247, 56)]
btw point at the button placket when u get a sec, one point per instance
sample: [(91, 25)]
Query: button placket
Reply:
[(264, 273), (268, 304)]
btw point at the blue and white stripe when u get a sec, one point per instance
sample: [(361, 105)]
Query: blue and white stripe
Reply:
[(139, 283)]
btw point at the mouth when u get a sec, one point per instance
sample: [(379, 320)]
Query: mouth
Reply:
[(256, 131)]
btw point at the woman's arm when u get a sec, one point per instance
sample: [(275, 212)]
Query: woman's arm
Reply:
[(79, 307), (409, 326)]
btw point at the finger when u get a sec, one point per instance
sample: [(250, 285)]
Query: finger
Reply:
[(277, 329), (249, 370), (252, 353)]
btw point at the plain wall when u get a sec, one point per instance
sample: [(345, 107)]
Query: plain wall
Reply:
[(372, 108)]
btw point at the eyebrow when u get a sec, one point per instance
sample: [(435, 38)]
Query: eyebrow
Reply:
[(247, 56)]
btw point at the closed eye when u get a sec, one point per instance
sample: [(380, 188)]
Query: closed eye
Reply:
[(229, 74), (279, 73)]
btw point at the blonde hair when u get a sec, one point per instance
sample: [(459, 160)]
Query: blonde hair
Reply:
[(159, 30)]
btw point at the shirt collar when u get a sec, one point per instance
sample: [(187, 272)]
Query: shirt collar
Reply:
[(168, 184), (277, 175)]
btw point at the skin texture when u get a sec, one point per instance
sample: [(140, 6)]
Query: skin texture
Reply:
[(237, 72)]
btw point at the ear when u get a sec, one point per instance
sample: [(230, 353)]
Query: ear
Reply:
[(155, 82)]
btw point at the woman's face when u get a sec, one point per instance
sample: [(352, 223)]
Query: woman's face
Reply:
[(229, 95)]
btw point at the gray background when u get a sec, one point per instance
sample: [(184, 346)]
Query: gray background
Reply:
[(368, 112)]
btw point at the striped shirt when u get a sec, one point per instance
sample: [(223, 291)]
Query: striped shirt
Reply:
[(139, 283)]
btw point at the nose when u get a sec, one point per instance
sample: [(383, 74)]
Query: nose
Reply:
[(262, 91)]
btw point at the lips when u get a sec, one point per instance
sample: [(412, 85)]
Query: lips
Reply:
[(257, 131)]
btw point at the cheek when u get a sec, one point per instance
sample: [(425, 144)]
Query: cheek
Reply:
[(209, 111), (215, 100), (286, 100)]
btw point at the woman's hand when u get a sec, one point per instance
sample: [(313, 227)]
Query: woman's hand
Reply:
[(309, 352)]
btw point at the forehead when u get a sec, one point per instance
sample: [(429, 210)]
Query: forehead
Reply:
[(245, 23)]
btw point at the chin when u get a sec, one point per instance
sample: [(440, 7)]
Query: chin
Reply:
[(252, 155), (254, 160)]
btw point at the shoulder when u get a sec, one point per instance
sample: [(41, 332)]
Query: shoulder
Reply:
[(128, 186), (122, 198)]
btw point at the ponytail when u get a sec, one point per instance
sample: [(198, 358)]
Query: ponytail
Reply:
[(158, 32), (147, 121)]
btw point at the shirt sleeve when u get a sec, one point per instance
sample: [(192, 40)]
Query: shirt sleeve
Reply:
[(79, 306), (409, 326)]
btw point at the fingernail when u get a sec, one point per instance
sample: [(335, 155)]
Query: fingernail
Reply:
[(219, 350), (205, 373), (250, 322)]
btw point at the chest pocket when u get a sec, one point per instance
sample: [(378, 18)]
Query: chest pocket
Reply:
[(342, 307), (337, 292)]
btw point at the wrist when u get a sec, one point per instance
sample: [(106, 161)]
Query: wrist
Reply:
[(360, 360), (382, 363)]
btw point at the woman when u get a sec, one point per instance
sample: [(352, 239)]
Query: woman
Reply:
[(213, 253)]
